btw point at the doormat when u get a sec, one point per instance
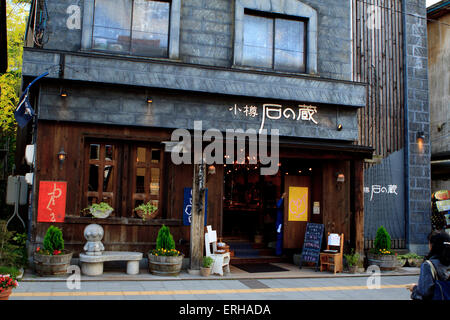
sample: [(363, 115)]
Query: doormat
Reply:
[(259, 267)]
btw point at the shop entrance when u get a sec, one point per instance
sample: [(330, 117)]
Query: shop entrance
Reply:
[(250, 200)]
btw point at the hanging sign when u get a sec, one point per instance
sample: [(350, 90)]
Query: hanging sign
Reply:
[(52, 201), (298, 204), (187, 206)]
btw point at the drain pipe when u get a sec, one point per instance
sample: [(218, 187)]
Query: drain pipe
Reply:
[(406, 123)]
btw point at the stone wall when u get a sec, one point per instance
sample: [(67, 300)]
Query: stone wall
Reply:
[(418, 159), (207, 31)]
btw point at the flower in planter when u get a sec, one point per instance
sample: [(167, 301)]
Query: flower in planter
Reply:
[(165, 253), (53, 242), (6, 282)]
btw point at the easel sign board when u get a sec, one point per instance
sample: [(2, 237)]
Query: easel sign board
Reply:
[(312, 244)]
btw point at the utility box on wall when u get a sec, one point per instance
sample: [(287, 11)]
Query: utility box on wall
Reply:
[(17, 190)]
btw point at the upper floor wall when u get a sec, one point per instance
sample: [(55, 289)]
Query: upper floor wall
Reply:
[(310, 37)]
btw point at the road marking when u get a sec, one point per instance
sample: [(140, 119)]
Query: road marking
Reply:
[(184, 292)]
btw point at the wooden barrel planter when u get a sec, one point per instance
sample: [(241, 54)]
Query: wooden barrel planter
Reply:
[(5, 294), (49, 265), (384, 261), (165, 266)]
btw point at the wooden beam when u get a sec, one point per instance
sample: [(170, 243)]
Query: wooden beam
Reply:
[(359, 205)]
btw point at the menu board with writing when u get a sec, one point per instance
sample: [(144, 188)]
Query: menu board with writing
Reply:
[(312, 244)]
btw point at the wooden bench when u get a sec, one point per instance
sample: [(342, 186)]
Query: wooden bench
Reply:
[(93, 265)]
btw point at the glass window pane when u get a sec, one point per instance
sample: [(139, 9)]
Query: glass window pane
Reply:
[(112, 23), (94, 153), (93, 178), (109, 149), (108, 179), (156, 155), (258, 41), (154, 182), (140, 155), (150, 28), (140, 180), (289, 45), (92, 200)]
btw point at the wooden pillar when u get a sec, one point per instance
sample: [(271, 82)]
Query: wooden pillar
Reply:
[(197, 219), (359, 205)]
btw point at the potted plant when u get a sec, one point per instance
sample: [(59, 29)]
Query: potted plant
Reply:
[(165, 260), (100, 210), (382, 255), (146, 211), (414, 260), (352, 261), (7, 283), (401, 259), (205, 270), (52, 259)]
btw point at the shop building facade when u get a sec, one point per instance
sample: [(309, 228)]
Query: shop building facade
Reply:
[(118, 86)]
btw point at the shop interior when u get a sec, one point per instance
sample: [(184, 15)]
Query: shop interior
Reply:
[(250, 199)]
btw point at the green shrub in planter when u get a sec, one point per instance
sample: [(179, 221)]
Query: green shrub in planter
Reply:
[(164, 239), (382, 239), (53, 240)]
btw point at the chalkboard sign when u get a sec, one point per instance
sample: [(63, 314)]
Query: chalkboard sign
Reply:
[(312, 244)]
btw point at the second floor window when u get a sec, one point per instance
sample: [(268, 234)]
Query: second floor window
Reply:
[(273, 42), (136, 27)]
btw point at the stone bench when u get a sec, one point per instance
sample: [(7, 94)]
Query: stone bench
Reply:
[(93, 265)]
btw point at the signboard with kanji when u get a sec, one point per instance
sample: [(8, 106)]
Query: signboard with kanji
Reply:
[(52, 201)]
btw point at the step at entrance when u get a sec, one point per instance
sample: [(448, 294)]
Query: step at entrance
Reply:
[(248, 252)]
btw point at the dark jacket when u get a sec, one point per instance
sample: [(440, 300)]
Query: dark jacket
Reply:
[(424, 289)]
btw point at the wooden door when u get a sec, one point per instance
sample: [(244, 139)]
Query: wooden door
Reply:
[(294, 231)]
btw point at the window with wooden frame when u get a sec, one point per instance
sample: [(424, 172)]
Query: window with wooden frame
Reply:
[(108, 166), (101, 173), (146, 175)]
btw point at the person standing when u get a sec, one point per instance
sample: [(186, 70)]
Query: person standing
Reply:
[(279, 225), (439, 257)]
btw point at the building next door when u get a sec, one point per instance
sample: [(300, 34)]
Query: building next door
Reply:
[(297, 210)]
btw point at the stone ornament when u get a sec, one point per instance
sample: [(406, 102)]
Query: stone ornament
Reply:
[(94, 234)]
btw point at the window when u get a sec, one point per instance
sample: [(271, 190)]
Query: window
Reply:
[(138, 27), (107, 168), (274, 42), (101, 175), (275, 34), (147, 28), (146, 175)]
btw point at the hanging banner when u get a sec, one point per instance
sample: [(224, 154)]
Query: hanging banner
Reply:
[(187, 206), (298, 204), (52, 201)]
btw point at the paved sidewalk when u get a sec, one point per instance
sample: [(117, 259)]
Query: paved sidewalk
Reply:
[(343, 288), (236, 273), (295, 284)]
